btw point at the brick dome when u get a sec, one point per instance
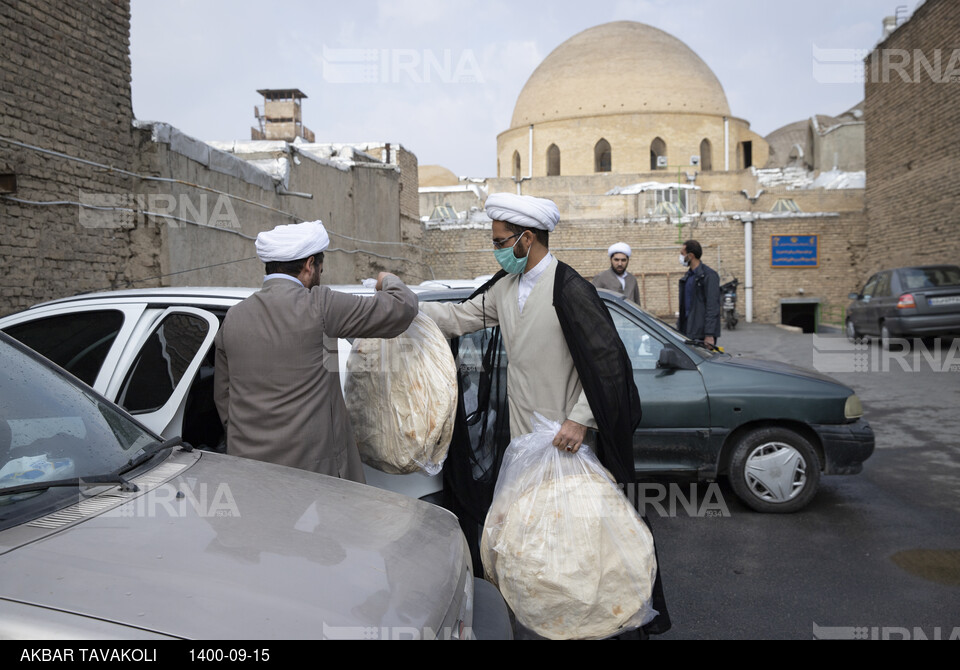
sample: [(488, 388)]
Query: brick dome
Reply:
[(623, 67)]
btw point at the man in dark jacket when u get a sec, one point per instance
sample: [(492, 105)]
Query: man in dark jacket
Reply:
[(699, 297)]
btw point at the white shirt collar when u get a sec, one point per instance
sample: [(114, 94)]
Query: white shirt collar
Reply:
[(280, 275), (529, 279)]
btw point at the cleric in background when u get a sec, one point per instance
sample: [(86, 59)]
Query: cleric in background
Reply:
[(617, 278)]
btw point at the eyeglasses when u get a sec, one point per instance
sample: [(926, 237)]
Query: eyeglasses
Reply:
[(499, 244)]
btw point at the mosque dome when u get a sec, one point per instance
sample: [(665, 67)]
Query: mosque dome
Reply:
[(622, 67)]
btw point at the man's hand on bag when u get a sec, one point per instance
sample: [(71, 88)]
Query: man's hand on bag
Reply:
[(570, 436)]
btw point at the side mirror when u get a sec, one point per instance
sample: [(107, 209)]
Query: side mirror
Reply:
[(854, 296), (669, 359)]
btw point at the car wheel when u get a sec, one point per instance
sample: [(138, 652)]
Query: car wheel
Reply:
[(885, 338), (774, 470), (852, 333)]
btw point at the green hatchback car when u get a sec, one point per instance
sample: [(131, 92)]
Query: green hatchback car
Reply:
[(773, 429)]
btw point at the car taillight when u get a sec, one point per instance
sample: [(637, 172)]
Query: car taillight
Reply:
[(906, 302)]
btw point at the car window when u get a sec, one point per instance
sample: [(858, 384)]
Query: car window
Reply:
[(643, 348), (871, 287), (883, 286), (162, 362), (917, 278), (77, 342)]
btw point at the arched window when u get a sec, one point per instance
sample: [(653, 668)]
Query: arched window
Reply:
[(553, 161), (745, 155), (658, 155), (516, 165), (602, 158), (706, 156)]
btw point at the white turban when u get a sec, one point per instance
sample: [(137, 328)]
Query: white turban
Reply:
[(619, 248), (292, 241), (523, 210)]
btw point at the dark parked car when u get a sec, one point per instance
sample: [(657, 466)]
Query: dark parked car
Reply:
[(774, 429), (909, 302)]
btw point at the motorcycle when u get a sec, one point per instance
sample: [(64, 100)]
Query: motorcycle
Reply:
[(729, 293)]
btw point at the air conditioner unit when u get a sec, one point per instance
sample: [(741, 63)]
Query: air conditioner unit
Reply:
[(661, 161), (694, 160)]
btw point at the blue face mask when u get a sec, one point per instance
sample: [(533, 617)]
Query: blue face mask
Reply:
[(510, 263)]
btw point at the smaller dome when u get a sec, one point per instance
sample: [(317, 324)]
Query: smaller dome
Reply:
[(436, 175)]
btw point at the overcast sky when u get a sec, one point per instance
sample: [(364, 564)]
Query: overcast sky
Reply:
[(441, 77)]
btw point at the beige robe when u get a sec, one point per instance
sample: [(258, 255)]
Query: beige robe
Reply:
[(541, 376), (608, 280), (277, 383)]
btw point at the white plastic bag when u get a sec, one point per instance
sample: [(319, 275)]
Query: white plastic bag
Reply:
[(570, 555), (401, 394)]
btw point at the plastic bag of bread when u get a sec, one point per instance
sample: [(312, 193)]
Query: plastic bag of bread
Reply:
[(570, 555), (401, 394)]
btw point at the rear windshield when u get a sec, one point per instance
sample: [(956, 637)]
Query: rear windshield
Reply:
[(917, 278)]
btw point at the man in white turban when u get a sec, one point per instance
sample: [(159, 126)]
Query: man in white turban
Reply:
[(542, 377), (277, 381), (616, 278), (566, 359)]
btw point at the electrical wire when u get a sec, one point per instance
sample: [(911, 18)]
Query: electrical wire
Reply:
[(123, 209), (201, 225), (169, 180)]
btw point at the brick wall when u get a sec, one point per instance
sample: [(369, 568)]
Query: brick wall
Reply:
[(466, 253), (359, 204), (912, 142), (416, 268), (65, 86)]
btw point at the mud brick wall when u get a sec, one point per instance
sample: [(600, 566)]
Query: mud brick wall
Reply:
[(65, 87), (912, 141)]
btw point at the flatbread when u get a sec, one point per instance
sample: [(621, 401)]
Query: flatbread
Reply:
[(401, 394), (571, 557)]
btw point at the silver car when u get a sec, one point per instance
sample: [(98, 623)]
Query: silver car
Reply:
[(108, 531)]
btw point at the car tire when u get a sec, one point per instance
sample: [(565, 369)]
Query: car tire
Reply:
[(886, 337), (853, 334), (774, 470)]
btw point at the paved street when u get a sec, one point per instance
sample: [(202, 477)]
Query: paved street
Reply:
[(875, 555)]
